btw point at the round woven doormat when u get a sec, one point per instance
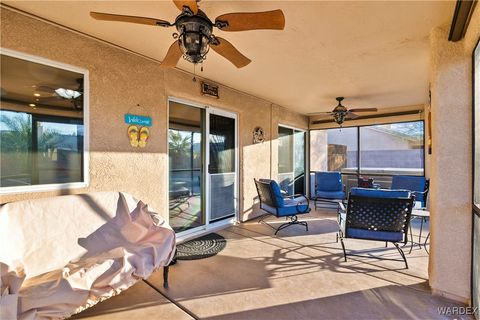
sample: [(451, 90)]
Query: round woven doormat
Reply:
[(200, 248)]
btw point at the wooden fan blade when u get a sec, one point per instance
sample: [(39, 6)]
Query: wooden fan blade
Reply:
[(131, 19), (351, 115), (229, 52), (319, 113), (46, 89), (173, 55), (364, 110), (49, 99), (192, 4), (242, 21)]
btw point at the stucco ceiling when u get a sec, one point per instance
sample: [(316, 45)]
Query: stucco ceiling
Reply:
[(376, 54)]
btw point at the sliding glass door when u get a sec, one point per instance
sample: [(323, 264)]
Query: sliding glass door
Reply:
[(476, 186), (222, 167), (202, 167), (291, 160)]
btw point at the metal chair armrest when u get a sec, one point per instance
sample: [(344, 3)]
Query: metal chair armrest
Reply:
[(302, 204), (293, 195)]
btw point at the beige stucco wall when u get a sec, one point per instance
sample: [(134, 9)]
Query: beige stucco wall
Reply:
[(118, 82), (451, 161)]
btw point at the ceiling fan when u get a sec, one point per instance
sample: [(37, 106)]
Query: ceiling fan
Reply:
[(74, 96), (340, 113), (195, 31)]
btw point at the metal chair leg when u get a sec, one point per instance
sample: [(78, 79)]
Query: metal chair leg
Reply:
[(294, 220), (344, 251), (402, 254), (165, 277), (425, 243), (411, 238)]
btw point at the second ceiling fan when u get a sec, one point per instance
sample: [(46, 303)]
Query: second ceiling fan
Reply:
[(195, 31), (340, 113)]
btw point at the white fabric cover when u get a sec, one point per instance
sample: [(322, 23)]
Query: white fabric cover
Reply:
[(61, 255)]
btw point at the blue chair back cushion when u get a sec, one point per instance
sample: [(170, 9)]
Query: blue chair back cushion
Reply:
[(272, 201), (269, 193), (277, 193), (328, 181), (380, 193), (412, 183)]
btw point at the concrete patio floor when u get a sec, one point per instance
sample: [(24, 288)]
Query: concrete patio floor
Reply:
[(294, 275)]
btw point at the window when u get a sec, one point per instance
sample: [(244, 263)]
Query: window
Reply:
[(377, 151), (396, 148), (291, 160), (334, 150), (41, 132)]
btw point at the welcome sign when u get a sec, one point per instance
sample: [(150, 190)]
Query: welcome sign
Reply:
[(138, 120)]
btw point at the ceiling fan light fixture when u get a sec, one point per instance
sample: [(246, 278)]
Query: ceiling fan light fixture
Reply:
[(339, 117), (194, 46), (194, 37), (67, 93)]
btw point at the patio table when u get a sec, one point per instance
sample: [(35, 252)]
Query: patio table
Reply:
[(423, 215)]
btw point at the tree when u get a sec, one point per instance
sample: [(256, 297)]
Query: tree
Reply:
[(179, 148), (18, 136)]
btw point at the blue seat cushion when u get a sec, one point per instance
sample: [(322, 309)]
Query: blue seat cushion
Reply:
[(380, 193), (339, 195), (291, 207), (395, 236)]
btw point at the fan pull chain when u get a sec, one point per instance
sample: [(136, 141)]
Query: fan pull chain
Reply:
[(194, 73)]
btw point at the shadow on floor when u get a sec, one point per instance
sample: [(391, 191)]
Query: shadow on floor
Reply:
[(388, 302)]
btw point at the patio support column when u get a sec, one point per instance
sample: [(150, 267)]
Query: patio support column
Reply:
[(450, 167)]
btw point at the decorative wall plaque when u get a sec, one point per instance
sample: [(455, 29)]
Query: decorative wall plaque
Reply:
[(137, 131), (209, 90), (258, 135)]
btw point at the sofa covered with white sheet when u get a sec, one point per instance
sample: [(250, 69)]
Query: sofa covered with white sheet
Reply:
[(61, 255)]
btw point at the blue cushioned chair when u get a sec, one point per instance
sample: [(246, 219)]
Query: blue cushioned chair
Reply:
[(273, 202), (378, 215), (417, 185), (328, 187)]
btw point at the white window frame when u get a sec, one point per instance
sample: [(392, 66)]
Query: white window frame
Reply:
[(86, 127)]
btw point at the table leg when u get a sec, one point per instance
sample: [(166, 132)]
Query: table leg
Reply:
[(420, 234), (411, 236)]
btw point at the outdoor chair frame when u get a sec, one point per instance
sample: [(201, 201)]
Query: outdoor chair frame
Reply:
[(272, 202), (378, 219)]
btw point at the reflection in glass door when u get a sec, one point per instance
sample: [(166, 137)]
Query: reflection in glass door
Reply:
[(222, 167), (291, 160), (186, 154)]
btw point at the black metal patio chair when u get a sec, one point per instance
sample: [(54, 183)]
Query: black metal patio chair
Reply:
[(377, 215), (274, 202)]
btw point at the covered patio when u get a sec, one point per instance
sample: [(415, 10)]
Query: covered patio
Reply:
[(296, 275), (142, 140)]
